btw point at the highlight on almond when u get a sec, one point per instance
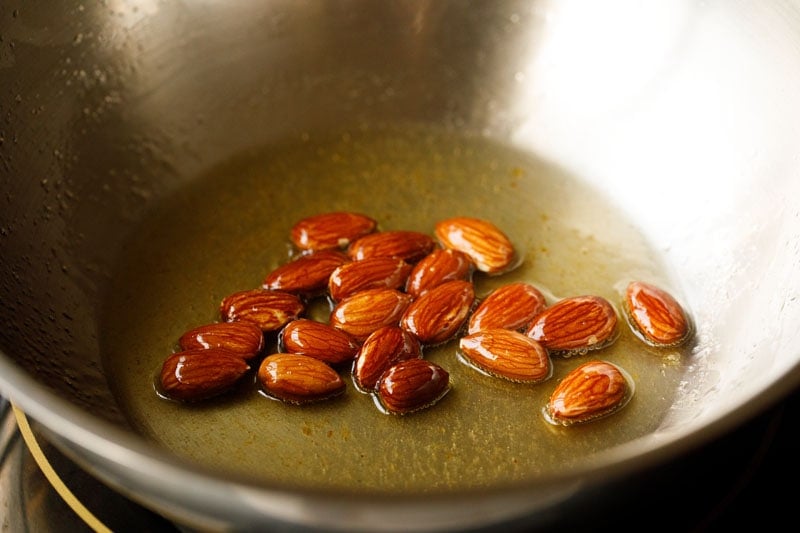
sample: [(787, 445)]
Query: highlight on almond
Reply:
[(510, 306), (576, 325), (593, 390), (327, 231), (412, 385), (655, 316), (487, 245), (299, 379), (506, 354), (200, 374)]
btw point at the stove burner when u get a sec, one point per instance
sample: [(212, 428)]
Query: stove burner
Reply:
[(734, 481), (41, 490)]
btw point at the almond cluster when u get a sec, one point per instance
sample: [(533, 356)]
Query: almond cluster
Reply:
[(392, 294)]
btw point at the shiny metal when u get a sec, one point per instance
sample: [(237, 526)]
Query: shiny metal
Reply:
[(685, 112), (71, 501)]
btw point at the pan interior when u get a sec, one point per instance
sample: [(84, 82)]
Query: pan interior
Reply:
[(229, 227)]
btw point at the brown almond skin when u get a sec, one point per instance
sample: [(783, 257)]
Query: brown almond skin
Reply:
[(371, 273), (592, 390), (195, 375), (655, 316), (575, 325), (365, 311), (439, 313), (507, 354), (243, 338), (410, 246), (306, 275), (318, 340), (328, 231), (489, 248), (270, 310), (512, 306), (437, 267), (299, 379), (382, 349), (412, 385)]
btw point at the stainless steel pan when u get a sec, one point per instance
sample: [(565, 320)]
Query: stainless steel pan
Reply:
[(683, 113)]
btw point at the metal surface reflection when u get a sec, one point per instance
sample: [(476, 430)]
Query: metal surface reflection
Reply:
[(685, 113)]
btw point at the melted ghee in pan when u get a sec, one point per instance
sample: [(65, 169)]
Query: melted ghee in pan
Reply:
[(229, 228)]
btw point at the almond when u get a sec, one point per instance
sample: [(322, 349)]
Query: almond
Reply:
[(307, 274), (437, 267), (371, 273), (382, 349), (511, 306), (270, 310), (318, 340), (410, 246), (507, 354), (243, 338), (298, 379), (437, 315), (593, 390), (655, 316), (575, 325), (488, 247), (412, 385), (365, 311), (330, 230), (195, 375)]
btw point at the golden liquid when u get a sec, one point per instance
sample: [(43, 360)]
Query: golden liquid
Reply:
[(227, 230)]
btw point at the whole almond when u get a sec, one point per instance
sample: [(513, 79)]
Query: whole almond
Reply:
[(382, 349), (575, 325), (298, 379), (371, 273), (365, 311), (330, 230), (437, 267), (507, 354), (592, 390), (410, 246), (488, 247), (307, 274), (195, 375), (412, 385), (243, 338), (439, 313), (655, 316), (318, 340), (511, 306), (270, 310)]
